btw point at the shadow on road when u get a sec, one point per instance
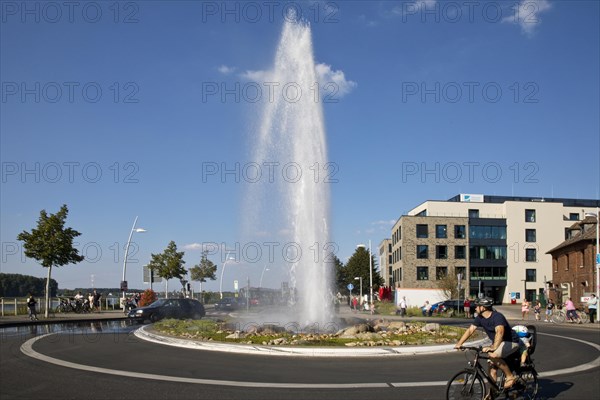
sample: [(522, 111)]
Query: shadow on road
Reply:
[(551, 389)]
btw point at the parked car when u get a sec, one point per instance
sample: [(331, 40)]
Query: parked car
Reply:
[(446, 305), (168, 308), (227, 303)]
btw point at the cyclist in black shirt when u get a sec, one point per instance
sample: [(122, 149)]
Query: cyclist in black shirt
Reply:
[(498, 330)]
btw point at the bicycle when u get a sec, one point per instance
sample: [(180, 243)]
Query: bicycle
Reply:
[(470, 383), (560, 316)]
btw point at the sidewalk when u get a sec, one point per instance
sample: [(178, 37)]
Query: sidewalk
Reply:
[(15, 320)]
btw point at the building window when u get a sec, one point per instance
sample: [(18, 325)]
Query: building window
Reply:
[(488, 273), (487, 232), (460, 232), (441, 252), (530, 255), (473, 213), (441, 273), (441, 231), (460, 252), (422, 231), (399, 274), (530, 275), (529, 215), (487, 252), (422, 251), (422, 273), (389, 248), (390, 261), (530, 235), (462, 271), (574, 216)]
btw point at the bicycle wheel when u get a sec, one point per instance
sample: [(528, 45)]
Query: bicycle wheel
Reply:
[(465, 385), (558, 317), (583, 317), (529, 381)]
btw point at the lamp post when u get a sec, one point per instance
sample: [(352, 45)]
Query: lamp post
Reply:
[(597, 255), (359, 278), (124, 282), (597, 261), (262, 275), (227, 258), (370, 279)]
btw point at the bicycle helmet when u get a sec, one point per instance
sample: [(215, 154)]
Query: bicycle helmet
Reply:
[(521, 330), (485, 302)]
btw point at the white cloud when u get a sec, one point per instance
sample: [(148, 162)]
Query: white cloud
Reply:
[(193, 246), (385, 223), (256, 76), (326, 76), (527, 15), (367, 22), (333, 82), (225, 70)]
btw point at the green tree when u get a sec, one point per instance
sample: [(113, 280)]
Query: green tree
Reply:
[(358, 266), (16, 285), (168, 264), (448, 284), (341, 281), (203, 271), (51, 244)]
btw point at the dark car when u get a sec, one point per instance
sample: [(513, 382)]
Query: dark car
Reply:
[(447, 305), (168, 308), (227, 303)]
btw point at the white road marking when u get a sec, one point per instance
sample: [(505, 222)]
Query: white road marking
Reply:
[(27, 349)]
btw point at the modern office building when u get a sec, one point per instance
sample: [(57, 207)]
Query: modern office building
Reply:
[(497, 243)]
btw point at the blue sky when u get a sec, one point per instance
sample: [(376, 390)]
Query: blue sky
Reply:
[(115, 109)]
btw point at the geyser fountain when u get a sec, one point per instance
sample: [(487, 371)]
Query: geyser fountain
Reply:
[(292, 208)]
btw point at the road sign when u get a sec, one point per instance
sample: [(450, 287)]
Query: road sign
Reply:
[(597, 258), (350, 286)]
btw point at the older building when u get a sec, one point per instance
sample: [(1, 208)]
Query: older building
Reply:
[(385, 261), (497, 243), (573, 262)]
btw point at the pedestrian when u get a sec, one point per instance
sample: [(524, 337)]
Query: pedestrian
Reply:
[(31, 306), (537, 309), (571, 311), (97, 297), (549, 310), (403, 306), (467, 307), (426, 309), (592, 304), (525, 309), (354, 303)]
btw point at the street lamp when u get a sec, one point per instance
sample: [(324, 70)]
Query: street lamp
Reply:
[(597, 215), (370, 273), (124, 282), (262, 274), (227, 258), (356, 278)]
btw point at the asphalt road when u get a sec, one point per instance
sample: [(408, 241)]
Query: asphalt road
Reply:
[(211, 375)]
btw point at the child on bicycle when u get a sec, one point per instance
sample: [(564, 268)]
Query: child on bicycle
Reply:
[(524, 342)]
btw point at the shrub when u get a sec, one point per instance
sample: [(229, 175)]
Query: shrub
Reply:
[(148, 297)]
